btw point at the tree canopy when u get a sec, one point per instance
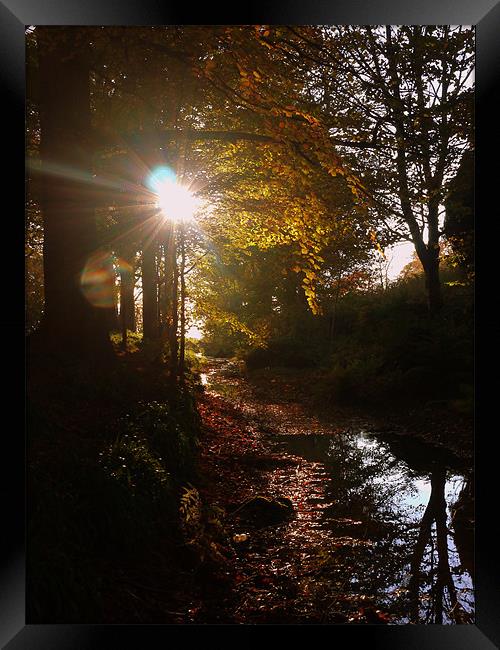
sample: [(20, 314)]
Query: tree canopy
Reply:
[(329, 143)]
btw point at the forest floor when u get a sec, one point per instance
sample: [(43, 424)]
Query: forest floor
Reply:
[(275, 571)]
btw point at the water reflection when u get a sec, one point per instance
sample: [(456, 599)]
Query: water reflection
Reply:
[(390, 520), (434, 577)]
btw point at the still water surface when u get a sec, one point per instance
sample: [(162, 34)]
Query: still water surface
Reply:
[(402, 508)]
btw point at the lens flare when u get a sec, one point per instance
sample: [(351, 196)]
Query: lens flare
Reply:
[(160, 176), (98, 280)]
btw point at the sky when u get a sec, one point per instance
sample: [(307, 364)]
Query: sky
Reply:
[(401, 254)]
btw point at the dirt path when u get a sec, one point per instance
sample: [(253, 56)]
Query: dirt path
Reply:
[(279, 573)]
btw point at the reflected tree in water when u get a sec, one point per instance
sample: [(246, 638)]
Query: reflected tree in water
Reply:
[(387, 549), (443, 597)]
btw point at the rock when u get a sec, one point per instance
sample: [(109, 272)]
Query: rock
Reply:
[(265, 511)]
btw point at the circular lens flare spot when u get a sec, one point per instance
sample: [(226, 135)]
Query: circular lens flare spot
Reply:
[(98, 280), (160, 176)]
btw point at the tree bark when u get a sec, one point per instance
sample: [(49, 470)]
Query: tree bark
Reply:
[(150, 327), (182, 346), (429, 257), (71, 326), (174, 318), (112, 316), (169, 295), (127, 299)]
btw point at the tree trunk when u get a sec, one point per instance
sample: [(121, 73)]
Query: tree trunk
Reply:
[(174, 319), (169, 296), (428, 254), (112, 317), (182, 347), (333, 317), (150, 327), (430, 262), (127, 299), (72, 327)]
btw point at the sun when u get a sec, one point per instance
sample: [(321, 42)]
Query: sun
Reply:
[(176, 202)]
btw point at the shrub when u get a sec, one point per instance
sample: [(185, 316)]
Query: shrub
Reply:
[(279, 353), (171, 432), (94, 506), (87, 510), (387, 348)]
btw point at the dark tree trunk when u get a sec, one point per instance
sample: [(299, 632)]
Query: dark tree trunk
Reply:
[(127, 300), (112, 319), (72, 327), (182, 347), (174, 321), (429, 256), (170, 295), (150, 327), (433, 285)]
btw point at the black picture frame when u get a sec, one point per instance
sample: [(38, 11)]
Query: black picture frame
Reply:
[(14, 16)]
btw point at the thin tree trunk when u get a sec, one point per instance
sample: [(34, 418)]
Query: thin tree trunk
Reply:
[(163, 289), (149, 292), (334, 313), (112, 313), (174, 322), (160, 290), (182, 350), (170, 295), (123, 323), (127, 298)]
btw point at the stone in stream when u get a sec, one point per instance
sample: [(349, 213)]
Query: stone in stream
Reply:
[(264, 511)]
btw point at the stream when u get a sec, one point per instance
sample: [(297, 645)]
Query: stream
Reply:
[(379, 533)]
